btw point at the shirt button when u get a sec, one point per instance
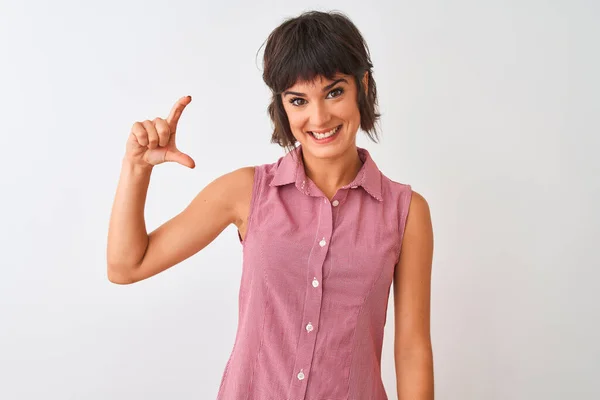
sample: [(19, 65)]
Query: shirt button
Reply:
[(300, 375), (315, 282), (309, 327), (322, 242), (335, 203)]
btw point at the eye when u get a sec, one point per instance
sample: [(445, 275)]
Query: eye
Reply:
[(338, 90), (293, 101)]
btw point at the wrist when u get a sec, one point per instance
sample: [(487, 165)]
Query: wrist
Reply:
[(136, 168)]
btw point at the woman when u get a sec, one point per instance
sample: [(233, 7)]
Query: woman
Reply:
[(321, 228)]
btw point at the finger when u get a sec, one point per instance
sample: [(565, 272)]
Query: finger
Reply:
[(176, 111), (163, 130), (140, 133), (180, 158), (152, 134)]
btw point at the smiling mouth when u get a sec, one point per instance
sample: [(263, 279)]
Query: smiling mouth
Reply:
[(321, 136)]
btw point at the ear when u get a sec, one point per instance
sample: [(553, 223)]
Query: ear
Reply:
[(365, 82)]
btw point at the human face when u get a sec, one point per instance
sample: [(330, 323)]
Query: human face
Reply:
[(321, 106)]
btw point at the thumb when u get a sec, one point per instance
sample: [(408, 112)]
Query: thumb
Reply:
[(180, 158)]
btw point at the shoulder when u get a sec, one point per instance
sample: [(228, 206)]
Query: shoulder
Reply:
[(230, 189), (413, 208), (241, 183), (418, 204), (236, 181), (418, 221), (399, 194), (243, 180), (243, 175), (409, 198)]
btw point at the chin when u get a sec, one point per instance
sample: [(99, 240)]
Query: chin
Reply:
[(333, 150)]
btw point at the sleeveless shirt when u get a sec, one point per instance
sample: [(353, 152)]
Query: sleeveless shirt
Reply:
[(315, 284)]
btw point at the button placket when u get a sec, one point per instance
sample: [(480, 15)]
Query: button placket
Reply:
[(313, 302)]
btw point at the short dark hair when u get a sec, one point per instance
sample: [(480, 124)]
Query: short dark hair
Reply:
[(313, 44)]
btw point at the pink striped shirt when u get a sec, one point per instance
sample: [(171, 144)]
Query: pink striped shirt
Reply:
[(315, 285)]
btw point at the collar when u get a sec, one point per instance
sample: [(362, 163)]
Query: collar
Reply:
[(290, 169)]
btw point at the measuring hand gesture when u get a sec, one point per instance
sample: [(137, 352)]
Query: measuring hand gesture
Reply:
[(153, 142)]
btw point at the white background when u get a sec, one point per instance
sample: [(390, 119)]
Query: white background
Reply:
[(490, 111)]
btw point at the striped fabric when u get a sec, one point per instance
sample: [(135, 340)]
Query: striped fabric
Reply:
[(315, 285)]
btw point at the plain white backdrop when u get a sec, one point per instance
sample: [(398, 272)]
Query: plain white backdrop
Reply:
[(490, 110)]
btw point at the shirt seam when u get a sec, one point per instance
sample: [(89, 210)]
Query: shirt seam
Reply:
[(260, 346), (356, 326)]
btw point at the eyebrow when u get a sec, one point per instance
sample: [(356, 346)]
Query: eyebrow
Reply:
[(326, 88)]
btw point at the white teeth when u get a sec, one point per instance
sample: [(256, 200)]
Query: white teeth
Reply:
[(325, 135)]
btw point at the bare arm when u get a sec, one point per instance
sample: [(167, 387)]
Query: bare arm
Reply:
[(133, 255), (127, 236), (412, 283)]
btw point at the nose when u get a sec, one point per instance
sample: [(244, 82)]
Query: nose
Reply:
[(321, 116)]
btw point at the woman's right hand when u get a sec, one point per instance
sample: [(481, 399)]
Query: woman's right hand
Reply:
[(153, 142)]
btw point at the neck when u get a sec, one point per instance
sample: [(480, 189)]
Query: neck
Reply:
[(332, 173)]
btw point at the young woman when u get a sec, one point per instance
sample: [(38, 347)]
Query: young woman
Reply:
[(324, 232)]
